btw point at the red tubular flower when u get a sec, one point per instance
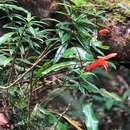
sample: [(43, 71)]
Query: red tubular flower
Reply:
[(103, 32), (97, 63), (100, 62)]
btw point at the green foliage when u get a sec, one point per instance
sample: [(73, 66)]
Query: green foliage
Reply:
[(32, 51), (91, 120)]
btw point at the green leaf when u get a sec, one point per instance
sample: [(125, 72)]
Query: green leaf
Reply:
[(5, 37), (126, 94), (65, 37), (32, 30), (79, 2), (109, 103), (112, 65), (95, 42), (94, 89), (19, 17), (87, 74), (91, 120), (112, 95), (12, 6), (104, 47), (98, 45), (78, 52), (22, 49), (91, 87), (4, 60), (59, 66), (60, 52), (22, 103)]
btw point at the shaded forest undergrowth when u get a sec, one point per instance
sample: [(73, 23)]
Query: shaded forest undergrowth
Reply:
[(63, 72)]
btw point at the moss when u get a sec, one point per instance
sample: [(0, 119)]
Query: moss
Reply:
[(113, 11)]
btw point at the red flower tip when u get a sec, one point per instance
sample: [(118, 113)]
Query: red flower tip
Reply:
[(107, 57), (103, 32)]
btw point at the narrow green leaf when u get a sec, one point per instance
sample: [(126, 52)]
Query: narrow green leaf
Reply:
[(59, 66), (12, 6), (4, 60), (60, 52), (91, 120), (5, 37), (87, 74), (91, 87), (112, 95)]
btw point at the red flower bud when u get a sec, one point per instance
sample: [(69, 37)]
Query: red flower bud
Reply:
[(103, 32)]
